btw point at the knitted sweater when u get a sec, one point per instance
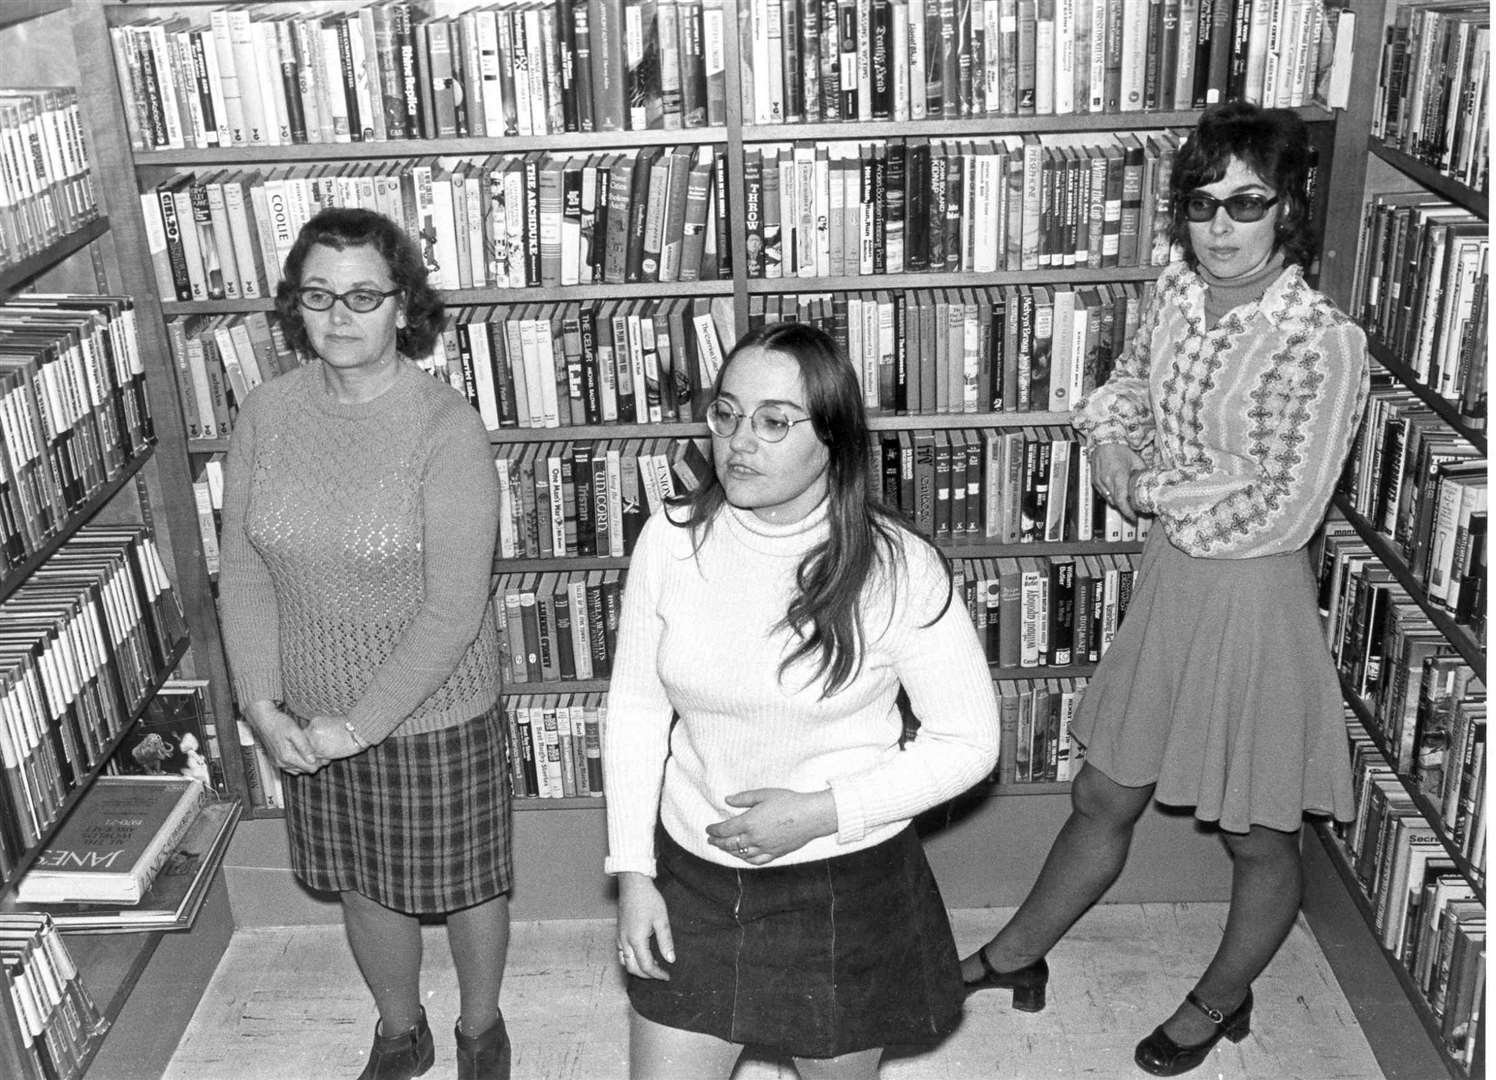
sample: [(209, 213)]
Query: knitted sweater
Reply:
[(1243, 426), (696, 637), (358, 542)]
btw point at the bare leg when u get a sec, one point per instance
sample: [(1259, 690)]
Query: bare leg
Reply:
[(858, 1065), (1266, 887), (1084, 860), (479, 938), (387, 946), (657, 1052)]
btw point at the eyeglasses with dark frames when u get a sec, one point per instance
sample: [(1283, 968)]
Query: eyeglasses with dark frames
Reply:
[(359, 301), (769, 422), (1243, 209)]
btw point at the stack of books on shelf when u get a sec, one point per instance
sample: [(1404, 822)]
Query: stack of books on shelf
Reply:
[(82, 643), (1041, 611), (1036, 746), (46, 188), (844, 60), (557, 626), (1422, 276), (1011, 348), (1411, 478), (1426, 914), (1432, 94), (59, 1024), (555, 744), (232, 76), (73, 410), (503, 221), (913, 205), (137, 853)]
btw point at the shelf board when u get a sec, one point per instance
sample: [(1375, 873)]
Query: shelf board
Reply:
[(1447, 410), (76, 794), (698, 429), (1424, 804), (569, 563), (15, 12), (1338, 858), (955, 280), (17, 274), (991, 125), (13, 578), (1440, 184), (408, 148), (1459, 635)]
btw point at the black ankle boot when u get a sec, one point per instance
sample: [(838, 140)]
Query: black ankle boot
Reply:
[(403, 1056), (1162, 1056), (483, 1057), (1027, 983)]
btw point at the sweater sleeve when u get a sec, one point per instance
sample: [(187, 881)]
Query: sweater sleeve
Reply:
[(251, 622), (636, 737), (1268, 496), (942, 667), (460, 501), (1121, 409)]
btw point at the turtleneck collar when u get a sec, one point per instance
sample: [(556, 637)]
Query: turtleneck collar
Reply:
[(790, 540), (1223, 294)]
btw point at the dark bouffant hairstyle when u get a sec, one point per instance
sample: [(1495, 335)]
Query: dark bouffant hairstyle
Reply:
[(1274, 144), (345, 227), (832, 578)]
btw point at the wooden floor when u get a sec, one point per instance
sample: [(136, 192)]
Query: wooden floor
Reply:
[(288, 1004)]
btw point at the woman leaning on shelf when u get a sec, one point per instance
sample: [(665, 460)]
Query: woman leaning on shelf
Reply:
[(1228, 418), (360, 511), (771, 888)]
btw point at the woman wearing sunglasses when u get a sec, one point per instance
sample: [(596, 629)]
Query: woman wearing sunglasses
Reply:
[(360, 513), (771, 889), (1227, 419)]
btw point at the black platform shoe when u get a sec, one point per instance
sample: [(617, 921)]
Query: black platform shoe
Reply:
[(483, 1057), (1027, 983), (403, 1056), (1162, 1056)]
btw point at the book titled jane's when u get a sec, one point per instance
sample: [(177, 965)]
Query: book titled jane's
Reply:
[(113, 843)]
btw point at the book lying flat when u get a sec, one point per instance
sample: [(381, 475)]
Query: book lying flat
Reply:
[(112, 844), (175, 897)]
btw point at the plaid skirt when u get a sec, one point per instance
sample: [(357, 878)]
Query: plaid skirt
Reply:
[(812, 959), (419, 823)]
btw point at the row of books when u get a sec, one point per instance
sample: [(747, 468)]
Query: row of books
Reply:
[(1433, 87), (387, 71), (902, 60), (555, 744), (506, 221), (1424, 487), (1035, 745), (1422, 276), (73, 410), (81, 643), (1420, 693), (1011, 348), (1045, 611), (557, 626), (1425, 912), (910, 205), (221, 358), (46, 187), (56, 1018)]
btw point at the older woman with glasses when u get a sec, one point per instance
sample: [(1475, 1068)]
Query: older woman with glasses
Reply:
[(1227, 419), (771, 889), (360, 512)]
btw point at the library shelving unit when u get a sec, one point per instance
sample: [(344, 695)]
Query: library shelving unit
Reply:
[(145, 984), (560, 842), (1385, 997)]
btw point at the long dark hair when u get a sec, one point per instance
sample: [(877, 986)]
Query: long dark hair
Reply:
[(863, 538), (344, 227), (1274, 144)]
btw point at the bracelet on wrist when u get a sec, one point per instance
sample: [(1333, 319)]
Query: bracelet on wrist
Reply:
[(358, 740)]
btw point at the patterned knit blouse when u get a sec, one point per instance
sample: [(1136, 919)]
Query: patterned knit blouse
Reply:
[(357, 546), (1244, 426)]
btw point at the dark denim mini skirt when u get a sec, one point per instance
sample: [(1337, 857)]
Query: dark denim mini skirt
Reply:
[(814, 959)]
